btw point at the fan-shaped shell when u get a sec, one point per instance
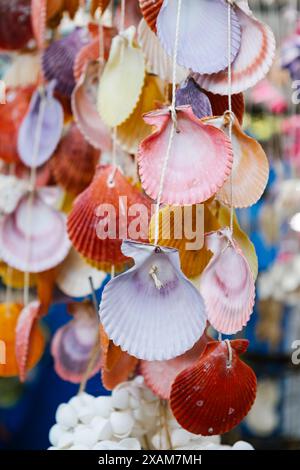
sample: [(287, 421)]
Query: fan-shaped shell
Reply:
[(150, 10), (58, 60), (190, 94), (135, 129), (152, 311), (157, 60), (159, 375), (73, 343), (90, 214), (74, 162), (110, 352), (120, 372), (252, 62), (117, 97), (220, 104), (214, 395), (9, 314), (84, 109), (250, 171), (227, 285), (198, 20), (199, 163), (74, 274), (15, 24), (41, 128), (34, 237)]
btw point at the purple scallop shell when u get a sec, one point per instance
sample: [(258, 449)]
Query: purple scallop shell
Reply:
[(58, 60), (190, 94), (45, 107)]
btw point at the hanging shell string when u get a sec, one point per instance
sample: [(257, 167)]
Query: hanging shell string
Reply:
[(111, 178), (229, 360), (9, 270), (173, 127), (101, 38), (32, 181), (122, 19), (229, 31)]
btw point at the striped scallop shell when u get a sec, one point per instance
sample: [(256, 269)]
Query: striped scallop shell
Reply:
[(150, 10)]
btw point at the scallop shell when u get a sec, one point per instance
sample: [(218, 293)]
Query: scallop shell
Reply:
[(38, 21), (13, 278), (198, 20), (190, 94), (227, 285), (134, 129), (74, 274), (45, 289), (71, 6), (158, 62), (219, 104), (74, 162), (87, 217), (11, 117), (102, 4), (15, 24), (173, 221), (110, 352), (173, 316), (150, 10), (199, 163), (117, 98), (252, 62), (250, 171), (120, 373), (85, 112), (132, 15), (9, 314), (58, 60), (73, 343), (23, 71), (42, 140), (38, 246), (27, 322), (12, 190), (54, 7), (159, 375), (194, 391)]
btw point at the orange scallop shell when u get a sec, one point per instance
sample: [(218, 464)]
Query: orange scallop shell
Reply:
[(120, 372), (74, 162), (9, 315), (110, 352), (45, 287), (83, 221), (71, 6), (213, 396), (150, 10), (219, 104), (102, 4)]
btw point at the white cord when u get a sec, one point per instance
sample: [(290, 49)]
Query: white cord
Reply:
[(229, 361), (229, 31)]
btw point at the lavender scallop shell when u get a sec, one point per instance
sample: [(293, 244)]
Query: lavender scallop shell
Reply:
[(190, 94)]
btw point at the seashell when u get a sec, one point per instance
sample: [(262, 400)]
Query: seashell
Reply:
[(38, 20), (159, 375), (37, 246), (12, 190), (135, 129), (158, 62), (103, 406), (41, 128), (86, 219), (84, 109), (110, 352), (193, 396), (197, 25), (13, 278), (55, 434), (74, 162), (172, 308), (119, 372), (117, 98), (150, 10), (242, 445), (203, 152), (102, 4), (58, 60), (11, 116), (120, 399), (85, 436), (103, 430), (122, 423), (250, 171), (227, 284), (24, 328), (23, 71), (45, 289), (130, 443), (73, 343), (252, 62), (9, 314), (219, 104), (71, 6), (74, 274), (15, 24), (190, 94), (65, 416), (65, 441), (173, 224)]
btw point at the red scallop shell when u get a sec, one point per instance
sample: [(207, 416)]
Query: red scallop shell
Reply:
[(15, 24), (11, 117), (212, 397), (150, 10), (74, 162), (159, 375), (219, 104), (82, 220)]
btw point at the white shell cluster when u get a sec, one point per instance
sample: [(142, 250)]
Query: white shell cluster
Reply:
[(129, 419)]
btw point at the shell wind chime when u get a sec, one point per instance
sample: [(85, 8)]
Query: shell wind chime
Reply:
[(123, 161)]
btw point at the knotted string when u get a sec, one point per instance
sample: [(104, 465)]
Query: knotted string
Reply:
[(173, 127)]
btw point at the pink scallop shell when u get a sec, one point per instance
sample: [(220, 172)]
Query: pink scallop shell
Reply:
[(227, 285), (38, 21), (39, 247), (200, 159), (252, 63)]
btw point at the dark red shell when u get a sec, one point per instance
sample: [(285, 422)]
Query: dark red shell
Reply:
[(150, 10), (15, 24), (210, 397), (219, 104)]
